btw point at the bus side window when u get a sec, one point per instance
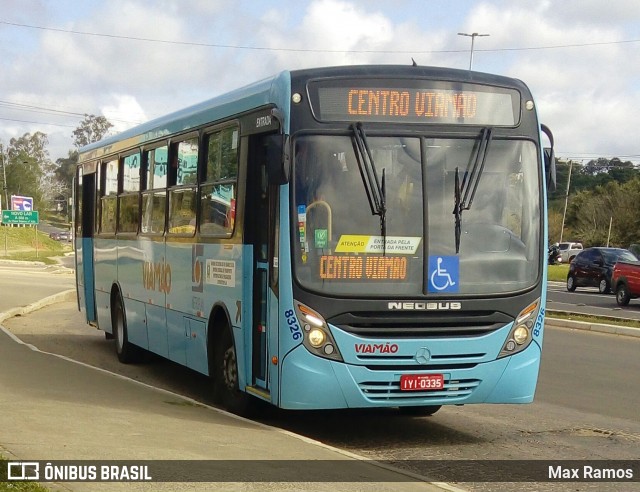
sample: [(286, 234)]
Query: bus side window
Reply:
[(108, 196), (154, 196), (219, 183), (128, 209), (182, 197)]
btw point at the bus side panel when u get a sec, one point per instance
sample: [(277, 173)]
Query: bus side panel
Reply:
[(150, 278), (197, 345), (202, 275), (136, 323), (106, 274), (178, 298), (157, 330), (222, 284), (130, 280)]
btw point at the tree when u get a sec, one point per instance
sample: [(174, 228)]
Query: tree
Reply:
[(29, 169), (64, 175), (66, 169), (92, 129), (591, 212)]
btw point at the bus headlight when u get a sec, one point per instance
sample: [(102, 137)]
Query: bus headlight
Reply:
[(317, 337), (520, 335)]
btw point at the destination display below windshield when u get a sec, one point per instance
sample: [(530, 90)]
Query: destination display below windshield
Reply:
[(430, 102), (344, 267)]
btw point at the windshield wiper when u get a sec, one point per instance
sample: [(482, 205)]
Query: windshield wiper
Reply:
[(374, 188), (466, 191)]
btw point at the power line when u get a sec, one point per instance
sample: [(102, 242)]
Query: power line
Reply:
[(38, 122), (304, 50), (39, 109), (51, 111)]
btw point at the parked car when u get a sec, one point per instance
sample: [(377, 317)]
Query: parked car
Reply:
[(593, 267), (568, 251), (626, 281), (60, 235)]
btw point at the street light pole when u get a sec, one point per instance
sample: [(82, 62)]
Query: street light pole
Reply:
[(566, 199), (4, 178), (473, 36)]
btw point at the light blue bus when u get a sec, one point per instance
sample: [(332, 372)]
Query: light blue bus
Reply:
[(345, 237)]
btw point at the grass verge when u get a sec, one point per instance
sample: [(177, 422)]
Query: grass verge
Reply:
[(19, 243), (16, 486), (603, 320), (558, 273)]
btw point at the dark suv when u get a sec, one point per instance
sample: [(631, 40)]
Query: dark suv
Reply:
[(593, 268)]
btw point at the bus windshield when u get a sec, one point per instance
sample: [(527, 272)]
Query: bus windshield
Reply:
[(425, 248)]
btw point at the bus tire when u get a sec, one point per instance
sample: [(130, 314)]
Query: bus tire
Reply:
[(225, 376), (126, 351), (420, 411)]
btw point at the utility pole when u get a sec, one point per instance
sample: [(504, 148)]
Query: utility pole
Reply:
[(473, 36)]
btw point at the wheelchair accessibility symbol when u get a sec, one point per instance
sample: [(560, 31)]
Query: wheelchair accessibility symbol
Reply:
[(444, 273)]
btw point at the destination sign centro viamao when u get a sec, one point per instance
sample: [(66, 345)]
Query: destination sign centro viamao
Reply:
[(427, 102)]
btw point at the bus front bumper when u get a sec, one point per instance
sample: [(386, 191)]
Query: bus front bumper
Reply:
[(311, 382)]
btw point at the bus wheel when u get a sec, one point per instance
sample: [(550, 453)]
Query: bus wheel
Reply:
[(420, 411), (125, 351), (226, 377)]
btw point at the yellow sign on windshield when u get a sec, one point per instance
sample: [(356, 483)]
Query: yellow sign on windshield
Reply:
[(399, 245)]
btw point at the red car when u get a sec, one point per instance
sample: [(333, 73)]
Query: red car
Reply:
[(626, 281), (593, 267)]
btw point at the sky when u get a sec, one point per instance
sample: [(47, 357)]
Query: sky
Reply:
[(135, 60)]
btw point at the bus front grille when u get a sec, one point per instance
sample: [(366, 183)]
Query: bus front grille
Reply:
[(420, 325), (389, 391)]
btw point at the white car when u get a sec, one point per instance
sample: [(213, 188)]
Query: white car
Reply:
[(568, 251)]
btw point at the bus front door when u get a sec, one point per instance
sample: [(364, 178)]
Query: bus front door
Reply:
[(260, 224)]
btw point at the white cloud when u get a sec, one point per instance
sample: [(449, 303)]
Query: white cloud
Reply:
[(124, 112), (587, 95)]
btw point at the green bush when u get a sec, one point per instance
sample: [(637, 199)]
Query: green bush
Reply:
[(558, 273)]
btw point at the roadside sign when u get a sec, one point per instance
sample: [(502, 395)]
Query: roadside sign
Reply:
[(21, 203), (30, 217)]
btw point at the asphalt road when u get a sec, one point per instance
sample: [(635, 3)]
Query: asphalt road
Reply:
[(585, 408), (587, 300), (24, 283)]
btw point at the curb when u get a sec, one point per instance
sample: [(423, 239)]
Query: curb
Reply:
[(595, 327), (67, 295)]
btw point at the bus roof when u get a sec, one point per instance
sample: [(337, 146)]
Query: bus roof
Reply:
[(273, 90), (409, 71)]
